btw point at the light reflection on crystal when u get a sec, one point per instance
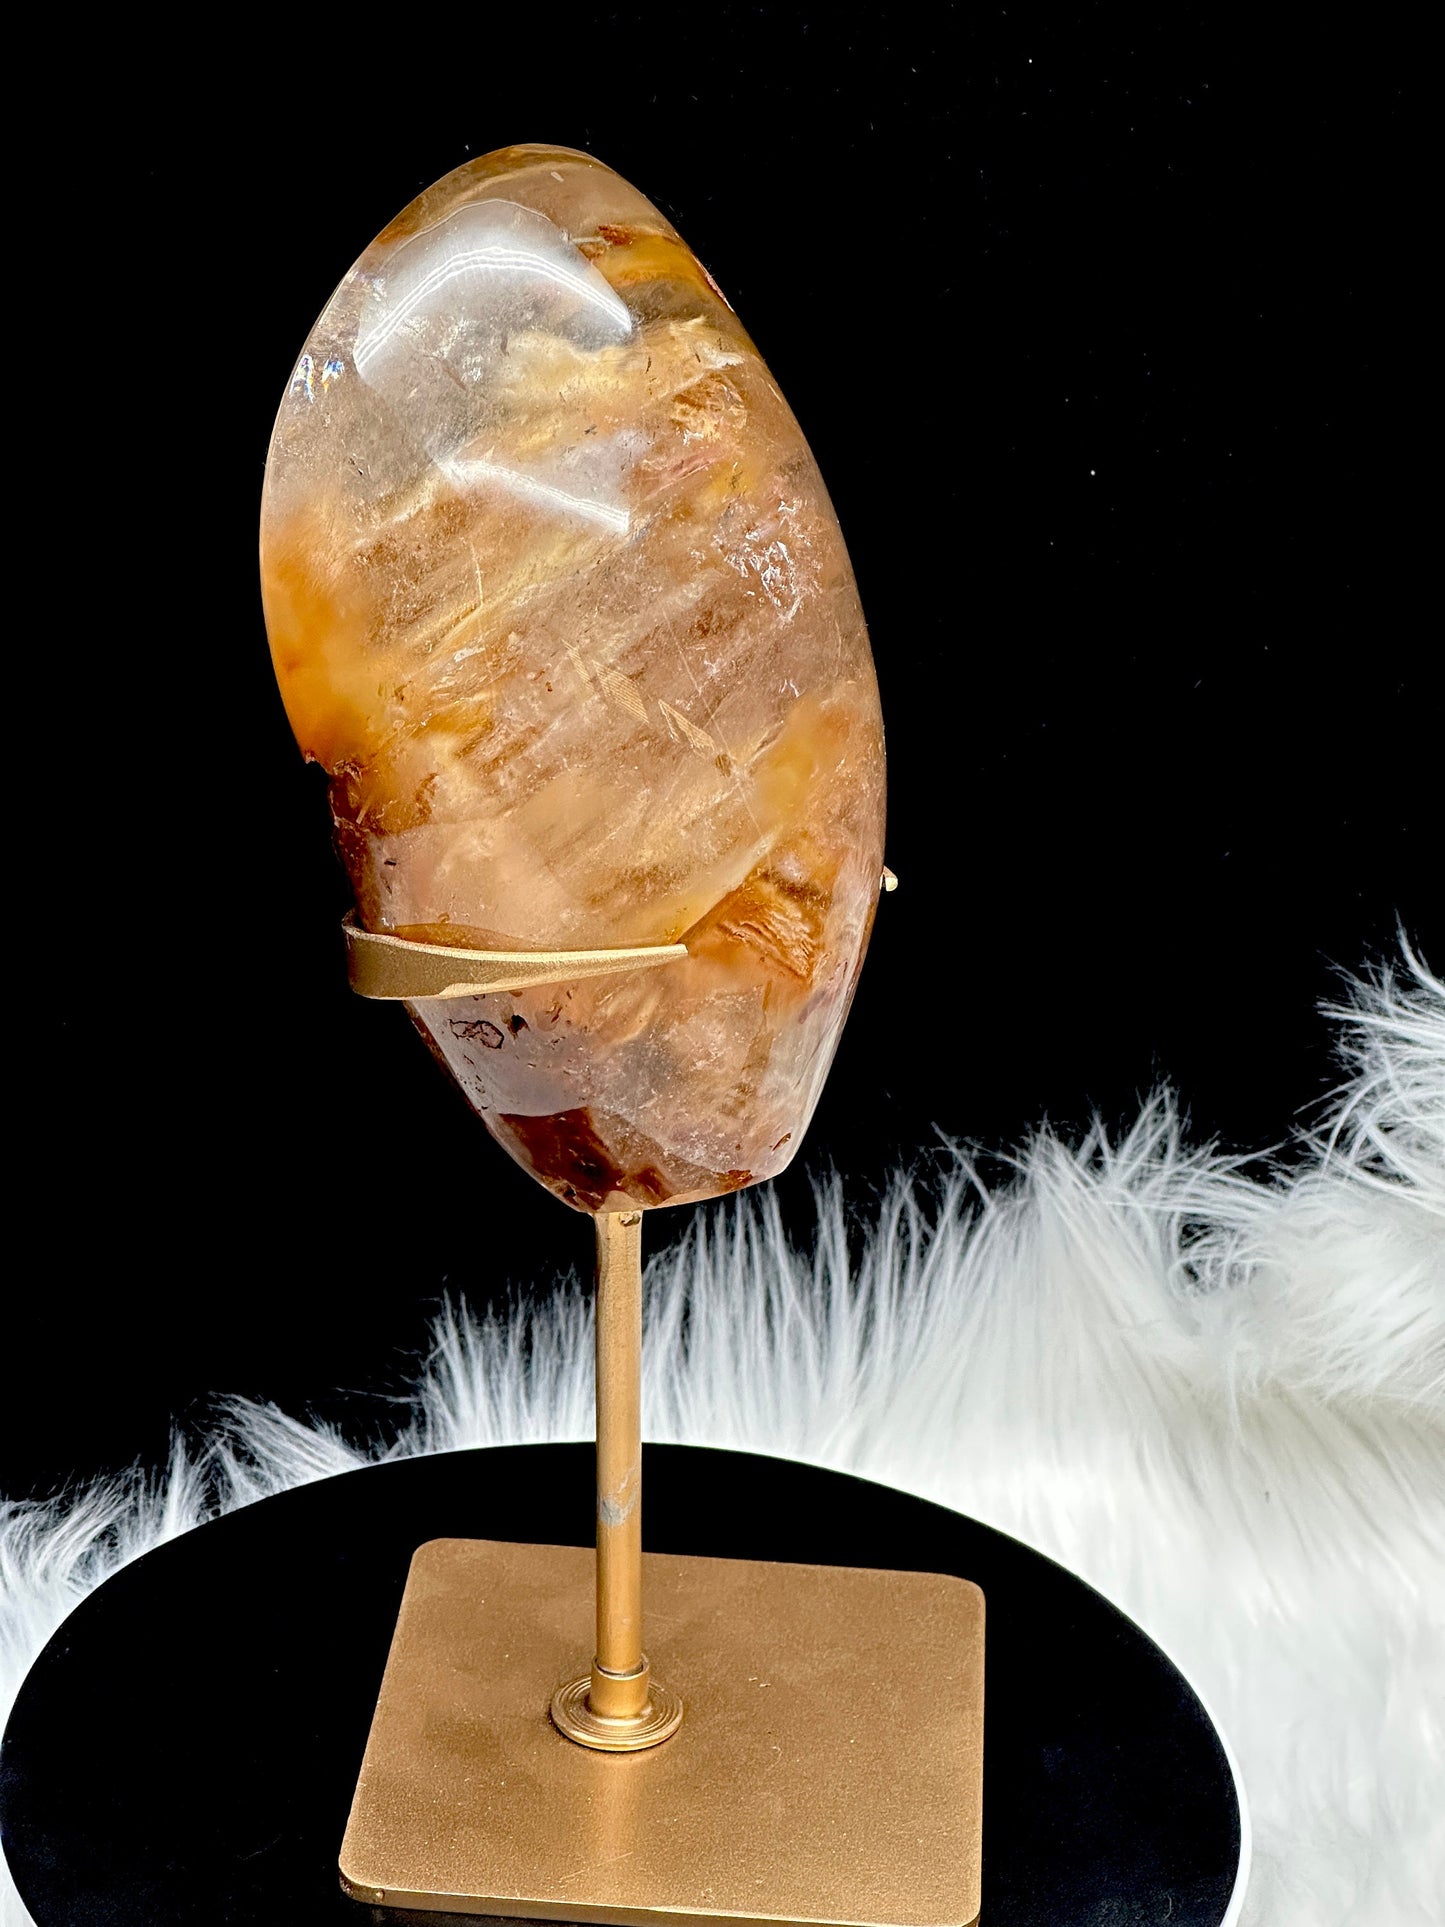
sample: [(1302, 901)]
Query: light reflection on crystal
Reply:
[(556, 595)]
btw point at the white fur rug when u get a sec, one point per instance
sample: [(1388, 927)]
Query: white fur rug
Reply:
[(1217, 1392)]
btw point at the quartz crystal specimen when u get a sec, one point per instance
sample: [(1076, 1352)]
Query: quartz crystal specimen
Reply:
[(557, 598)]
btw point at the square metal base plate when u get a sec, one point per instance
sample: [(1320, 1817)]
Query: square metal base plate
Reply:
[(828, 1768)]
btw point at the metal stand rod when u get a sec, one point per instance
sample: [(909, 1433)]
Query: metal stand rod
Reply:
[(619, 1671), (617, 1706)]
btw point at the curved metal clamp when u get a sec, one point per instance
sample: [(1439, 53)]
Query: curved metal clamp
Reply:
[(394, 969)]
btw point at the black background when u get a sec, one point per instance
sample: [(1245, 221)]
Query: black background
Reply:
[(1107, 332)]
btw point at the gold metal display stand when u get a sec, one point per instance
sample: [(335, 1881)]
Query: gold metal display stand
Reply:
[(815, 1755)]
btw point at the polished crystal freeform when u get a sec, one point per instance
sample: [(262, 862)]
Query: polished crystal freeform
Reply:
[(557, 598)]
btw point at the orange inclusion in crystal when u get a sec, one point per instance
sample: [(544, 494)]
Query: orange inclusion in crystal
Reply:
[(557, 598)]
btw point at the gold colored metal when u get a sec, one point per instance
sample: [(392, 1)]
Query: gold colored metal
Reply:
[(574, 1714), (395, 968), (829, 1769), (619, 1671), (617, 1707)]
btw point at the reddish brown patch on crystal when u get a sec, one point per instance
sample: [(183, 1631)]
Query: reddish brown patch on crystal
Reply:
[(557, 597), (570, 1156)]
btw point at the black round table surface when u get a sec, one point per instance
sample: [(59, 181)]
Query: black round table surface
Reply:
[(184, 1750)]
